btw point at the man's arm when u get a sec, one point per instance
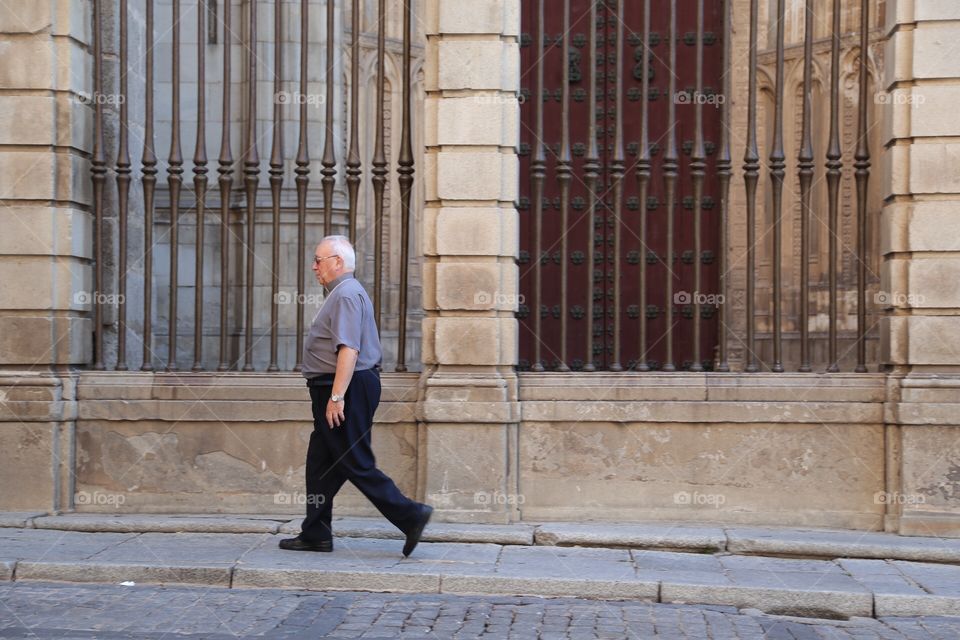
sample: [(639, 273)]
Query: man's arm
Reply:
[(346, 362)]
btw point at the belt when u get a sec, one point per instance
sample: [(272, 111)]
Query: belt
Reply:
[(326, 379)]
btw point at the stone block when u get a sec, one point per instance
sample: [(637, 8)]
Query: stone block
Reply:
[(934, 226), (26, 120), (35, 339), (792, 474), (470, 175), (471, 120), (46, 231), (476, 231), (472, 16), (475, 340), (57, 284), (935, 167), (933, 10), (930, 469), (933, 339), (931, 108), (934, 282), (26, 475), (898, 54), (933, 49), (475, 64)]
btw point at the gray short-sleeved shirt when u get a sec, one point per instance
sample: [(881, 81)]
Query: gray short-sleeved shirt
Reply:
[(345, 318)]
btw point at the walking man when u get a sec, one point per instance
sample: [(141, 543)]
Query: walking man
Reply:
[(341, 362)]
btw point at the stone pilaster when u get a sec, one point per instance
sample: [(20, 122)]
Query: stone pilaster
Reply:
[(469, 409), (920, 173), (45, 243)]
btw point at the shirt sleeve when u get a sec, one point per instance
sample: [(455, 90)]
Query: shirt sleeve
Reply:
[(347, 325)]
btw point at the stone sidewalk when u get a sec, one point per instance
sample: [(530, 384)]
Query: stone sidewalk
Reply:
[(843, 573)]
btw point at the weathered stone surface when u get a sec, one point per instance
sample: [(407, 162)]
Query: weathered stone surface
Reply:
[(218, 576), (27, 453), (641, 470), (19, 520), (94, 522), (840, 544), (638, 536)]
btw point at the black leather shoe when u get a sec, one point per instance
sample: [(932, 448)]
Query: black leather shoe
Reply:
[(296, 544), (414, 536)]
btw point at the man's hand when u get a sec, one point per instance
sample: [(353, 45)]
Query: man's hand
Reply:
[(335, 413)]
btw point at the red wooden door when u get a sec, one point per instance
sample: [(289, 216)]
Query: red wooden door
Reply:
[(659, 267)]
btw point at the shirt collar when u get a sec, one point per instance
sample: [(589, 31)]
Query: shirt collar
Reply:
[(339, 280)]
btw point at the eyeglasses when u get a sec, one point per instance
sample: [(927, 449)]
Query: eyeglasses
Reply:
[(317, 260)]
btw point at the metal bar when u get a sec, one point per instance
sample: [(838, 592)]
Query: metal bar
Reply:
[(538, 168), (329, 161), (148, 163), (805, 163), (564, 174), (353, 156), (698, 166), (302, 179), (405, 171), (123, 192), (251, 178), (777, 174), (643, 179), (276, 179), (380, 170), (591, 175), (174, 182), (724, 173), (98, 172), (670, 174), (617, 168), (862, 174), (751, 175), (225, 170), (200, 184), (834, 166)]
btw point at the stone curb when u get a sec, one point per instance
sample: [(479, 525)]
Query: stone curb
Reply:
[(825, 603), (739, 540)]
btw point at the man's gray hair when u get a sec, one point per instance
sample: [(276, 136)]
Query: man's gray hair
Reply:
[(341, 246)]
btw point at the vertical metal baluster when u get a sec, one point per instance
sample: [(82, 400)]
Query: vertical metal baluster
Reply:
[(698, 166), (805, 163), (329, 160), (591, 174), (834, 167), (123, 192), (405, 171), (276, 179), (226, 182), (564, 174), (251, 178), (670, 174), (538, 167), (149, 179), (724, 173), (751, 175), (98, 173), (353, 156), (643, 179), (174, 182), (617, 167), (777, 174), (380, 171), (862, 174), (200, 182), (302, 179)]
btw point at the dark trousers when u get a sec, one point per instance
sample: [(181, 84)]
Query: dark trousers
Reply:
[(344, 453)]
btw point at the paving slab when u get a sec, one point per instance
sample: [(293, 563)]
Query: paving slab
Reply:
[(679, 567), (87, 571), (19, 519), (159, 523), (211, 549), (35, 544), (634, 536), (7, 568), (435, 531), (783, 601), (840, 544)]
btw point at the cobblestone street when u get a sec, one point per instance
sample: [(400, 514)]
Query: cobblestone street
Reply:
[(38, 610)]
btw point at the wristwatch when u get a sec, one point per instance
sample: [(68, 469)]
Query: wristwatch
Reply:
[(336, 398)]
